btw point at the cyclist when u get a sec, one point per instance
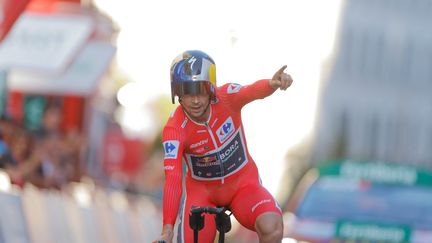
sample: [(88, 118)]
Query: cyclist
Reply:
[(206, 132)]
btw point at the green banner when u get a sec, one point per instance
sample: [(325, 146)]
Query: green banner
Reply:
[(34, 107), (372, 232), (377, 171), (3, 92)]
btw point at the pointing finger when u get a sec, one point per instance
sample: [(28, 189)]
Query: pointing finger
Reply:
[(277, 75), (281, 69)]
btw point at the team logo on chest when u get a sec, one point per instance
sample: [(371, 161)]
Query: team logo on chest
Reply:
[(224, 131)]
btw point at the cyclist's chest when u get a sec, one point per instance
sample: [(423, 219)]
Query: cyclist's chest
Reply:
[(216, 149), (220, 130)]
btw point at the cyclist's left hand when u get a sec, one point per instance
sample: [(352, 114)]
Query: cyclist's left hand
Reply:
[(281, 80)]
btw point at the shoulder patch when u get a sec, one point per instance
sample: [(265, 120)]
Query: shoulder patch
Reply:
[(233, 88), (171, 149)]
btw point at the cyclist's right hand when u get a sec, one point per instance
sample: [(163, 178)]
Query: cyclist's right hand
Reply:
[(162, 240), (159, 241), (167, 234)]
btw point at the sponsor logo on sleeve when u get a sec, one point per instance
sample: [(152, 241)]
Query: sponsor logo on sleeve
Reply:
[(233, 88), (171, 149), (169, 167)]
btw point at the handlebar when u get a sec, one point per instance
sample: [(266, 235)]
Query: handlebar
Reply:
[(196, 220), (212, 210)]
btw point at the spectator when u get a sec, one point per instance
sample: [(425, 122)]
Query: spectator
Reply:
[(26, 163), (6, 159)]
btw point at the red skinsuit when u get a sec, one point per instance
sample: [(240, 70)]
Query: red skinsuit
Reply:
[(234, 184)]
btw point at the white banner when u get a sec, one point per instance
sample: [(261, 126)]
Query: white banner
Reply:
[(45, 42), (80, 78)]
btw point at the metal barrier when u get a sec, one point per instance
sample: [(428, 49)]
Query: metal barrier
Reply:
[(78, 214)]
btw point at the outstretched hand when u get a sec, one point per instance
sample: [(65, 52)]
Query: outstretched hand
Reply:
[(280, 79)]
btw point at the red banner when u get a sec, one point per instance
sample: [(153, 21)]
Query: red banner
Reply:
[(122, 154), (10, 10)]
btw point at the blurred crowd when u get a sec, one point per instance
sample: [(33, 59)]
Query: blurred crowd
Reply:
[(46, 157), (50, 157)]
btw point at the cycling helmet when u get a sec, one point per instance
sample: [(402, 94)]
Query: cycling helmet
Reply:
[(193, 72)]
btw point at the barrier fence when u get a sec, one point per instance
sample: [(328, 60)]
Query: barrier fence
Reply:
[(79, 213)]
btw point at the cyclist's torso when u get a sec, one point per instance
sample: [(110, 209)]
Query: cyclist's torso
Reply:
[(213, 150)]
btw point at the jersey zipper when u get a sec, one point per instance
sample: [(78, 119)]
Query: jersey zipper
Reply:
[(217, 152)]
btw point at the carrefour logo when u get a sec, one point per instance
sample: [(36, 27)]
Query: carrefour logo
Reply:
[(225, 130), (171, 149)]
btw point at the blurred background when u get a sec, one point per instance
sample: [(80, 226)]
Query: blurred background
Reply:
[(85, 92)]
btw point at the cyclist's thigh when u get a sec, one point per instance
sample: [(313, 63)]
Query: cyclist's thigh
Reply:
[(195, 196), (250, 202)]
